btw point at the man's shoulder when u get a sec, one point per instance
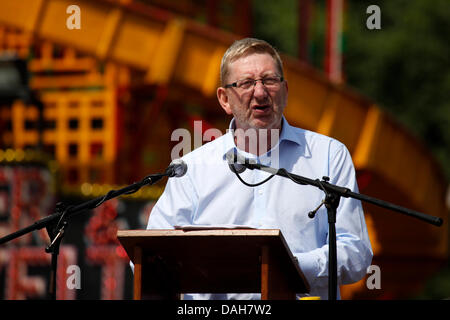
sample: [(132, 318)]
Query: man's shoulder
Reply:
[(312, 137)]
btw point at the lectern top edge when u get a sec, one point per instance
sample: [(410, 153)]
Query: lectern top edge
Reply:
[(198, 232)]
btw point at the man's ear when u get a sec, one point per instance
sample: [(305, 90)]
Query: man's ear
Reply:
[(223, 100), (287, 88)]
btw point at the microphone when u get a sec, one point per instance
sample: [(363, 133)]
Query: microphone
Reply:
[(177, 168), (235, 161)]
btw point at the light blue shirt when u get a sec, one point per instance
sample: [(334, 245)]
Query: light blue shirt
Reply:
[(210, 194)]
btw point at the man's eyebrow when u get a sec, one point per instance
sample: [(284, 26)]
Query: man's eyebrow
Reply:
[(264, 74)]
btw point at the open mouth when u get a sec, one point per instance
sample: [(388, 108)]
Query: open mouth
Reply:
[(261, 108)]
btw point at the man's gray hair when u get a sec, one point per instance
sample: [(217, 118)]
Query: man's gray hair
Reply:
[(245, 47)]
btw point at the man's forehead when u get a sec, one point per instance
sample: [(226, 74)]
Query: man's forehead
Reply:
[(253, 62)]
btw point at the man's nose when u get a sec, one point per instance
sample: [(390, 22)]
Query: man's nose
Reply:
[(260, 90)]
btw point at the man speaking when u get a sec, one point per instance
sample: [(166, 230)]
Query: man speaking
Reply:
[(254, 91)]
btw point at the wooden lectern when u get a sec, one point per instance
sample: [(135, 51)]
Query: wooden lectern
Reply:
[(170, 262)]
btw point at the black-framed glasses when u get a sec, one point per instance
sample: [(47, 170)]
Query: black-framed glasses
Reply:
[(247, 84)]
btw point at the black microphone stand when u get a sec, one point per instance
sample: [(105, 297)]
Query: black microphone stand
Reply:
[(56, 224), (333, 194)]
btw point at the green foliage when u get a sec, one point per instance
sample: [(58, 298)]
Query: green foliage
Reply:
[(437, 287), (405, 66), (277, 23)]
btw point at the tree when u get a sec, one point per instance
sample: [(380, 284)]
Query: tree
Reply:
[(405, 66)]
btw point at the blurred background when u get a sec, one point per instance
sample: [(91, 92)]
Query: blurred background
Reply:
[(90, 95)]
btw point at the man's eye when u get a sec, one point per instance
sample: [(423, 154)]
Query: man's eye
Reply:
[(246, 83), (270, 81)]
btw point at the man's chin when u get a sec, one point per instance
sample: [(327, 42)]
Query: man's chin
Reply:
[(261, 124)]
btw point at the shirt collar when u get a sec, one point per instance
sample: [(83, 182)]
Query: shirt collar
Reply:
[(287, 134)]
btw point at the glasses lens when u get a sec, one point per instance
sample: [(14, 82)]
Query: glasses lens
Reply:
[(246, 84), (269, 82)]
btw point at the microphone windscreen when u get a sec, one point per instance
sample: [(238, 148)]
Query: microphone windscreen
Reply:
[(178, 167), (233, 163)]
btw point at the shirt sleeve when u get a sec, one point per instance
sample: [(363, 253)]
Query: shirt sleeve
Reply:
[(354, 251), (175, 206)]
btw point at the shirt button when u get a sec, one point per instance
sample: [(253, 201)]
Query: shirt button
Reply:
[(260, 192)]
